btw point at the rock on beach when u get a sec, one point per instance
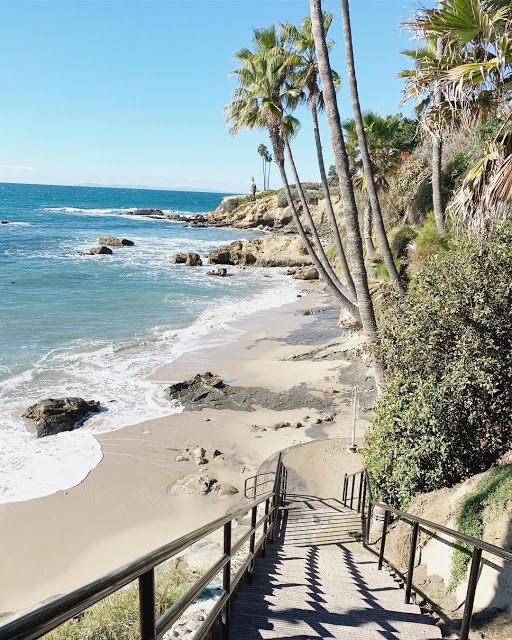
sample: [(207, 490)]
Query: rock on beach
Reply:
[(55, 415)]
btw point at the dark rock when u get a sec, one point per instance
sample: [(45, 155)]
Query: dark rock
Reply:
[(111, 241), (222, 272), (145, 212), (4, 221), (101, 251), (55, 415), (210, 391), (189, 259)]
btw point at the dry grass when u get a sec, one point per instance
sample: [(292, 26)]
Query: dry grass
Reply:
[(117, 617)]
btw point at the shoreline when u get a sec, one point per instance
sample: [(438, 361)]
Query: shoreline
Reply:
[(125, 506)]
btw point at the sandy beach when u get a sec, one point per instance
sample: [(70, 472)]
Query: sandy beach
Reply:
[(126, 506)]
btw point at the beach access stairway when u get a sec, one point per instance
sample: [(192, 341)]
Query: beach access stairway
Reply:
[(318, 582), (291, 565)]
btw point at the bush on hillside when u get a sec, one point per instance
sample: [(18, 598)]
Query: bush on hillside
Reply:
[(428, 244), (445, 410), (117, 617), (312, 197), (400, 238)]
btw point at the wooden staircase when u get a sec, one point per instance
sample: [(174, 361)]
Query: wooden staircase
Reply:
[(317, 581)]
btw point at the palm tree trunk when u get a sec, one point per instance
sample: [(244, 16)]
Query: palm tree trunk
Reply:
[(320, 249), (437, 157), (263, 158), (279, 159), (380, 229), (367, 227), (355, 243), (330, 211)]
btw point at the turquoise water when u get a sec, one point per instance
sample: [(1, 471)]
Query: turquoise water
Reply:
[(98, 326)]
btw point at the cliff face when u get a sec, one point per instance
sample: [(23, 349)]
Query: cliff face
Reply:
[(265, 213)]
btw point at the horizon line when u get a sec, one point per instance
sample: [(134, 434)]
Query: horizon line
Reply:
[(93, 185)]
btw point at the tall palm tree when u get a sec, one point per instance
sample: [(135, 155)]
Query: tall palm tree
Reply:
[(262, 150), (355, 244), (306, 78), (371, 187), (271, 49), (268, 160), (260, 101)]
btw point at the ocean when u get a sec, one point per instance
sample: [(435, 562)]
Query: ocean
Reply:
[(98, 326)]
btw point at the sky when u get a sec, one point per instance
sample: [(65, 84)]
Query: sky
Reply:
[(129, 92)]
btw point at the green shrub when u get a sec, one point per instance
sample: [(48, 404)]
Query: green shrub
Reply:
[(117, 617), (445, 410), (232, 203), (495, 490), (428, 243), (400, 238)]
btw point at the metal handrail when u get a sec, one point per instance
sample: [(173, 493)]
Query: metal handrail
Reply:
[(365, 501), (253, 487), (44, 619)]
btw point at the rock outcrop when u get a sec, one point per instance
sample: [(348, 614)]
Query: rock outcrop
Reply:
[(268, 251), (210, 391), (251, 214), (111, 241), (306, 273), (221, 272), (4, 221), (269, 212), (101, 251), (55, 415), (188, 259)]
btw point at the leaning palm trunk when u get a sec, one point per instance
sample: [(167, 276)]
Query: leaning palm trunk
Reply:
[(355, 243), (309, 218), (279, 158), (380, 229), (328, 202), (367, 227)]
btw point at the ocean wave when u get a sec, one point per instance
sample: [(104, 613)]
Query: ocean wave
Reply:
[(16, 223), (97, 212), (119, 376)]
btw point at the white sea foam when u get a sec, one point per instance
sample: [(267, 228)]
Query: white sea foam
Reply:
[(118, 376)]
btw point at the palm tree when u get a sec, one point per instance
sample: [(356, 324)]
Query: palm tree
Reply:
[(268, 160), (371, 187), (260, 101), (355, 244), (262, 151), (472, 71), (307, 81), (388, 137)]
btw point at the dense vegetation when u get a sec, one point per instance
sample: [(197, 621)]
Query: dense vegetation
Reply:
[(422, 255), (445, 411)]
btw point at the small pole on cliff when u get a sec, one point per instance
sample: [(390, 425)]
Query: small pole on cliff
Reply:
[(355, 400)]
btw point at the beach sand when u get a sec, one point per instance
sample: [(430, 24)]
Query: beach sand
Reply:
[(124, 508)]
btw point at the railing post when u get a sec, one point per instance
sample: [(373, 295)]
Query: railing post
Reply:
[(345, 487), (363, 501), (360, 492), (412, 557), (470, 594), (147, 605), (383, 539), (226, 583), (352, 492), (265, 528), (252, 543)]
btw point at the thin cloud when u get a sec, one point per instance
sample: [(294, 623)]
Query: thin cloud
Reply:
[(15, 167)]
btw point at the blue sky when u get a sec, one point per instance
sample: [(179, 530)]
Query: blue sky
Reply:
[(131, 92)]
